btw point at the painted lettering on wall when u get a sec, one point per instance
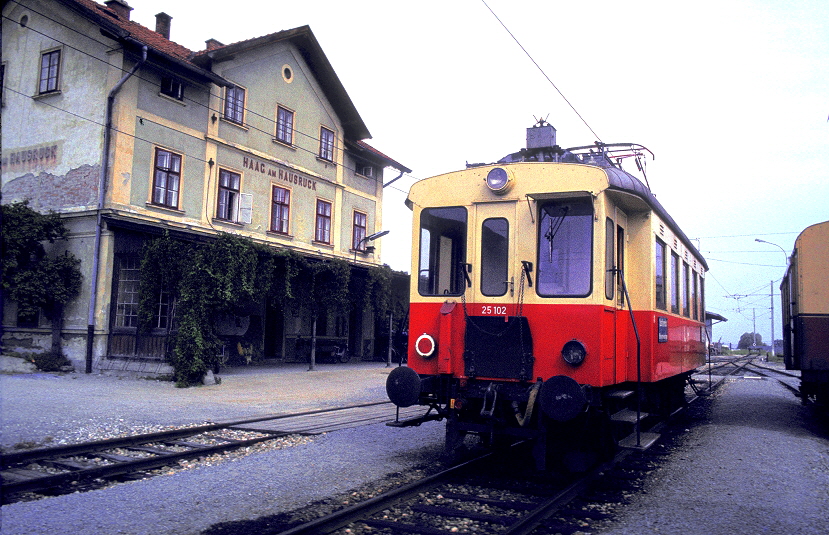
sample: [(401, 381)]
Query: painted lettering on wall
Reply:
[(279, 173), (32, 158)]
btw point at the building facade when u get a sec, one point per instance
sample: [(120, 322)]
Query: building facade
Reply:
[(129, 135)]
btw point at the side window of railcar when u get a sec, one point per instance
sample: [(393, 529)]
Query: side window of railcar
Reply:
[(660, 275), (694, 298), (609, 258), (565, 248), (675, 283), (494, 256), (442, 251), (686, 288)]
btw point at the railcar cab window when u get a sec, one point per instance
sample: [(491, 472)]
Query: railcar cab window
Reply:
[(442, 251), (565, 248), (494, 256)]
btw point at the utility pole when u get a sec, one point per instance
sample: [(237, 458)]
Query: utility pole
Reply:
[(771, 300)]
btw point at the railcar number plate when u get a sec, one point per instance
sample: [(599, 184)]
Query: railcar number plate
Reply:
[(488, 310)]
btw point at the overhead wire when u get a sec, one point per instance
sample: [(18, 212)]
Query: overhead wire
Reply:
[(541, 70)]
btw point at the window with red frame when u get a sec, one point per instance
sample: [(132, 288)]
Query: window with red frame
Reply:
[(280, 210), (359, 231), (323, 226)]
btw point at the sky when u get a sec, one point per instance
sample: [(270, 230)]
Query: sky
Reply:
[(732, 97)]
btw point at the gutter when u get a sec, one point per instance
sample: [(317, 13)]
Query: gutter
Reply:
[(96, 258)]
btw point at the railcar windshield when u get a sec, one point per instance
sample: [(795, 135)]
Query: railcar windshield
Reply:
[(565, 248), (442, 251)]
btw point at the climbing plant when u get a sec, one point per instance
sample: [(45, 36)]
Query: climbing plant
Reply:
[(231, 274)]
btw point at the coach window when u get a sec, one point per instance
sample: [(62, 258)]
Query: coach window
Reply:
[(565, 248), (609, 258), (675, 283), (442, 251), (494, 256), (686, 289), (659, 270)]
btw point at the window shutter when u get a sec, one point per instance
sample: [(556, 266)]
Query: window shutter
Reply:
[(245, 208)]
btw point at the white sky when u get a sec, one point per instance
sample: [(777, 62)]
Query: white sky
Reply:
[(732, 96)]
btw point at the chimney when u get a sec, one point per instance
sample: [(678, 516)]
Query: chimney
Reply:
[(212, 44), (120, 7), (162, 24)]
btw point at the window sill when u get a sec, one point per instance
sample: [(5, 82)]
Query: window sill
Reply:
[(164, 208), (236, 224), (323, 244), (240, 126), (281, 235), (325, 160), (172, 99), (38, 96), (286, 145)]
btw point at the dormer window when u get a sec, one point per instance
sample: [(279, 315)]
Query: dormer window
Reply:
[(172, 88)]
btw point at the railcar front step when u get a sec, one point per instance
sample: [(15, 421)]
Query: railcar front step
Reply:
[(416, 421), (620, 394), (646, 440), (629, 416)]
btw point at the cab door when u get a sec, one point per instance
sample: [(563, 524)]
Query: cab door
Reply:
[(494, 238), (622, 324)]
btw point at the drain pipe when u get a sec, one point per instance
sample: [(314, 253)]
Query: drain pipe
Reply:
[(96, 252), (398, 177)]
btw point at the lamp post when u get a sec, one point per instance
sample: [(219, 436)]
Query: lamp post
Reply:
[(771, 291), (370, 237)]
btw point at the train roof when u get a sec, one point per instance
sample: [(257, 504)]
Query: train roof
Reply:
[(623, 181), (541, 147)]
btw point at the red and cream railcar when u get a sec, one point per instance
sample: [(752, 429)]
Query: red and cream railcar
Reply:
[(520, 323)]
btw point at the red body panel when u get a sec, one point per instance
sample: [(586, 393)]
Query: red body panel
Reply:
[(606, 333)]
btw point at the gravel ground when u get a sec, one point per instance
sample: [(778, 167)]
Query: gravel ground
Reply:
[(53, 408), (47, 408), (760, 465)]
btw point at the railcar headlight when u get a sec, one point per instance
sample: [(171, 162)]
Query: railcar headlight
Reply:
[(573, 352), (498, 180)]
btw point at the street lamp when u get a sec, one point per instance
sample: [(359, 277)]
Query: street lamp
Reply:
[(770, 243), (771, 291), (370, 237)]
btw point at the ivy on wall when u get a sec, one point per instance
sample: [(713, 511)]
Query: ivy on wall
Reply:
[(232, 274)]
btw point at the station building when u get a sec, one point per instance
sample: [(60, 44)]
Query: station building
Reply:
[(129, 135)]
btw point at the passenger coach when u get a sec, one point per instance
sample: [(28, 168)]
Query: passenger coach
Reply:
[(805, 295)]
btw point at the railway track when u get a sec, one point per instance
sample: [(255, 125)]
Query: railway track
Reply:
[(508, 499), (68, 468)]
